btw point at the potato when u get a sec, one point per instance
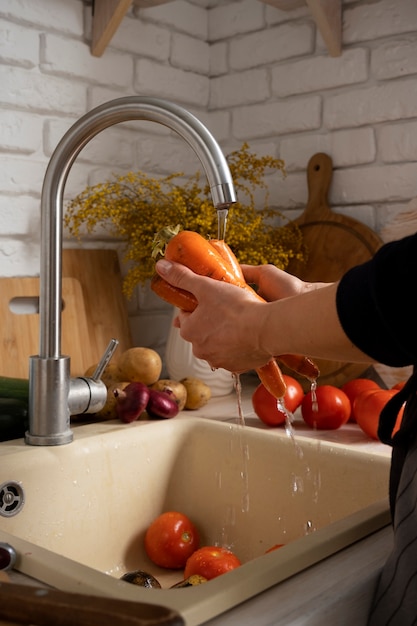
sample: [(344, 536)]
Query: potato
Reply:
[(140, 365), (198, 393), (108, 412), (110, 375), (176, 388)]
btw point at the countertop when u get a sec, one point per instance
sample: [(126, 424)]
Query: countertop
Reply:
[(337, 590), (225, 408)]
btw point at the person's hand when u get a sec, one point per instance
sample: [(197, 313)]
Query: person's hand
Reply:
[(274, 284), (233, 329), (224, 327)]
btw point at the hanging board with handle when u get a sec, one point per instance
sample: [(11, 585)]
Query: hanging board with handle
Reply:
[(335, 243), (94, 311), (19, 323), (98, 272)]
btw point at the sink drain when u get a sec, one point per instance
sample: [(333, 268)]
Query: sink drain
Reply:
[(12, 499)]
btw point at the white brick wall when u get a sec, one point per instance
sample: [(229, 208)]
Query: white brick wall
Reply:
[(319, 73), (271, 46), (72, 59), (249, 71)]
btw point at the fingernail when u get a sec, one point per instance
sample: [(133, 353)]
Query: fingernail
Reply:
[(164, 266)]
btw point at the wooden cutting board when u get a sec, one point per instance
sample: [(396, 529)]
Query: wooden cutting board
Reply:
[(98, 272), (24, 604), (94, 311), (335, 243), (20, 328)]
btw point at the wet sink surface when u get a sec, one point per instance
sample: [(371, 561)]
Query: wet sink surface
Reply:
[(87, 505)]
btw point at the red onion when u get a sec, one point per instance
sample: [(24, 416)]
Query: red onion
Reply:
[(131, 401), (161, 404)]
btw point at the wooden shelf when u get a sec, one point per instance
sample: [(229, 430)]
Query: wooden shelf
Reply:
[(109, 13), (328, 17), (106, 20)]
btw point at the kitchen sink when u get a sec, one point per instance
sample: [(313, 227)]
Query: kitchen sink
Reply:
[(77, 514)]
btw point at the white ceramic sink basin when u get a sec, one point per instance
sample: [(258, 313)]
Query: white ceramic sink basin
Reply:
[(87, 505)]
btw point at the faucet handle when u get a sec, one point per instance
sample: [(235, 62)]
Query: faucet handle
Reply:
[(105, 359), (89, 395)]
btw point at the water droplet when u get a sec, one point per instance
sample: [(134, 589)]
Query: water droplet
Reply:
[(218, 476), (297, 484), (309, 527), (245, 502)]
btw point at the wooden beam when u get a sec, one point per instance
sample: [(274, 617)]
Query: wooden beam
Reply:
[(328, 17), (107, 16)]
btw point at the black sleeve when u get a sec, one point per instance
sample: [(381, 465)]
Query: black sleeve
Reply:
[(377, 304)]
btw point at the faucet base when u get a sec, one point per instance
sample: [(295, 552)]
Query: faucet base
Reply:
[(49, 440), (49, 415)]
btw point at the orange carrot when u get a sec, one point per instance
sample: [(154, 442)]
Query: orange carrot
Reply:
[(227, 253), (215, 259), (199, 255), (297, 362), (180, 298), (270, 374), (196, 253), (301, 364)]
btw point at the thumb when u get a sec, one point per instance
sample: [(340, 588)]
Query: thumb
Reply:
[(176, 274)]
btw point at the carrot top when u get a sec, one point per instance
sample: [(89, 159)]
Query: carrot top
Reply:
[(162, 238)]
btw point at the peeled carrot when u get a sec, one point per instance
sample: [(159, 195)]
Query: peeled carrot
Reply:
[(180, 298), (196, 253), (299, 363), (228, 255), (216, 260)]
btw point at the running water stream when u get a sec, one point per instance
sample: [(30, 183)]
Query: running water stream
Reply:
[(297, 485), (222, 223)]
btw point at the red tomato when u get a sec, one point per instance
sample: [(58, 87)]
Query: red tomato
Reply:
[(368, 406), (210, 562), (331, 411), (354, 387), (266, 407), (399, 386), (171, 539)]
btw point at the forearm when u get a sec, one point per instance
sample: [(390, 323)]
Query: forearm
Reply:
[(231, 328), (308, 324)]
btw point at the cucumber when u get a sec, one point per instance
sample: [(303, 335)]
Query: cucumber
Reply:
[(14, 420), (17, 388)]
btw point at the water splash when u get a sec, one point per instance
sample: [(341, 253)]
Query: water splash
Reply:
[(227, 531), (238, 388), (314, 403), (289, 428), (297, 484), (243, 445)]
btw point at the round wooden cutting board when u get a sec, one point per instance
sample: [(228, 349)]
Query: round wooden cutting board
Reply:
[(335, 243)]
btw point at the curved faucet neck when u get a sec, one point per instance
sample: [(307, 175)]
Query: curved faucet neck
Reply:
[(120, 110)]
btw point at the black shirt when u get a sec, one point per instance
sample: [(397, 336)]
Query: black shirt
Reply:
[(377, 306)]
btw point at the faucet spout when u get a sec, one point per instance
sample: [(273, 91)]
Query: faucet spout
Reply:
[(49, 379)]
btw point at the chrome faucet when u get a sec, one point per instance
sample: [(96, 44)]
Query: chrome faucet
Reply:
[(53, 395)]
